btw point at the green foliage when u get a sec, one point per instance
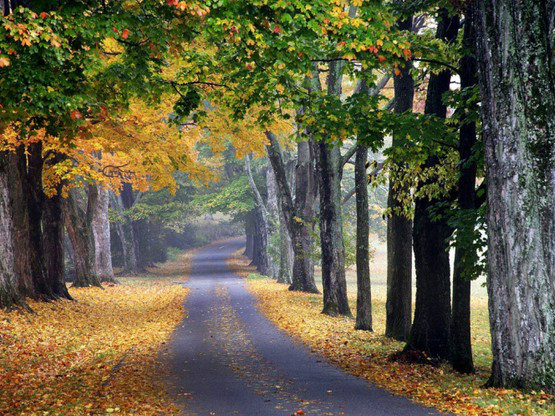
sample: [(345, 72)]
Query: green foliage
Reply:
[(235, 199), (55, 68), (471, 236), (186, 104)]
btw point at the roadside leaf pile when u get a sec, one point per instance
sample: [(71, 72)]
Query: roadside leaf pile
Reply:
[(367, 355), (97, 355)]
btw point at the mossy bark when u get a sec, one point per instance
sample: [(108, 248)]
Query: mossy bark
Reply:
[(78, 227), (9, 293), (298, 214), (101, 231), (514, 51)]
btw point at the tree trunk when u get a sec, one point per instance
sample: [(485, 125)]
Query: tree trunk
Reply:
[(9, 291), (18, 191), (364, 298), (432, 317), (249, 249), (136, 242), (299, 216), (518, 103), (399, 227), (256, 259), (124, 233), (53, 239), (80, 234), (284, 265), (101, 233), (286, 253), (331, 232), (461, 342), (27, 200), (274, 252), (263, 225), (53, 245), (330, 167)]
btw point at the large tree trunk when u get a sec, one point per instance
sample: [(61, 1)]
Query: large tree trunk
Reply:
[(285, 274), (35, 200), (18, 191), (27, 198), (331, 232), (274, 248), (399, 227), (77, 222), (330, 168), (432, 317), (364, 298), (53, 239), (9, 291), (283, 265), (101, 233), (299, 216), (518, 103), (461, 343)]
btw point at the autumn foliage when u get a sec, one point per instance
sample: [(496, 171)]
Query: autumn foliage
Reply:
[(369, 355), (97, 355)]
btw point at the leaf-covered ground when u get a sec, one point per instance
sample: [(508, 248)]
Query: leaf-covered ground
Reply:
[(366, 354), (95, 356)]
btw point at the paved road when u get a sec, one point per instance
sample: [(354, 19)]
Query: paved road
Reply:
[(228, 359)]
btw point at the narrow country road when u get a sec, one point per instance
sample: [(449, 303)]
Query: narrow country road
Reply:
[(227, 359)]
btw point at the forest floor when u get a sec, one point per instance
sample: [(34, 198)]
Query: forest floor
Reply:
[(97, 355), (367, 354)]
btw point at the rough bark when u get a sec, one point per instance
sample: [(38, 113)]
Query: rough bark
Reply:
[(101, 234), (299, 215), (364, 298), (53, 245), (9, 291), (285, 273), (461, 342), (35, 201), (77, 222), (249, 249), (18, 190), (26, 192), (263, 225), (518, 103), (399, 227), (274, 252), (432, 317), (330, 169), (124, 233), (136, 231)]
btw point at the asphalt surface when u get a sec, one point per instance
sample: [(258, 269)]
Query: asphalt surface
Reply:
[(228, 359)]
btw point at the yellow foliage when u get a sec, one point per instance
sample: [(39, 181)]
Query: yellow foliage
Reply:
[(97, 355)]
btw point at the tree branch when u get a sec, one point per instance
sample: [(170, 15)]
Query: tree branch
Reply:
[(371, 176), (433, 61), (255, 191)]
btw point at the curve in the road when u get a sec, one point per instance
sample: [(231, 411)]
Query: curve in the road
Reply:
[(228, 359)]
